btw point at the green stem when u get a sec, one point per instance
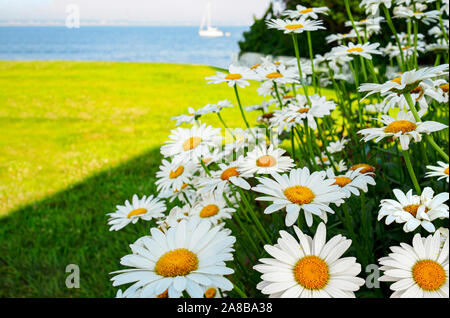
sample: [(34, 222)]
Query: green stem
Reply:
[(429, 138), (240, 107), (441, 23), (397, 39), (225, 125), (297, 55), (411, 171), (275, 86), (311, 56), (293, 144), (349, 12), (252, 214), (239, 291), (416, 30)]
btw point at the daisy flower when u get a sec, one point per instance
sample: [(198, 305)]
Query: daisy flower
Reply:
[(365, 50), (395, 100), (172, 176), (189, 257), (185, 194), (299, 190), (211, 208), (213, 292), (341, 166), (237, 75), (263, 160), (414, 210), (437, 90), (216, 108), (245, 138), (440, 171), (404, 127), (323, 158), (299, 110), (426, 17), (417, 271), (337, 146), (306, 267), (295, 26), (301, 11), (351, 182), (190, 144), (264, 107), (174, 217), (340, 37), (407, 50), (406, 82), (220, 180), (372, 7), (363, 168), (146, 209), (279, 75), (190, 118), (281, 119)]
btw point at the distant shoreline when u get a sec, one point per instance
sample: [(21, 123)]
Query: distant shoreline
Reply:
[(114, 25)]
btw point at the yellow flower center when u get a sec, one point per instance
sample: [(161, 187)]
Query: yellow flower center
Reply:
[(277, 63), (179, 262), (233, 76), (365, 168), (210, 293), (311, 272), (299, 194), (303, 110), (294, 26), (274, 75), (406, 47), (230, 172), (416, 90), (266, 161), (209, 210), (363, 20), (191, 143), (444, 87), (446, 171), (137, 212), (164, 294), (342, 181), (403, 126), (255, 66), (397, 80), (324, 159), (412, 208), (355, 49), (306, 10), (182, 187), (429, 275), (176, 173)]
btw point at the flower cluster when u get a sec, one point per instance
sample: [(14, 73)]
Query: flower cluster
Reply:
[(246, 212)]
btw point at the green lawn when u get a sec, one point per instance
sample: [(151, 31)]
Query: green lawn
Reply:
[(76, 139)]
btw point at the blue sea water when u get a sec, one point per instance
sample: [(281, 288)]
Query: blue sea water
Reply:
[(107, 43)]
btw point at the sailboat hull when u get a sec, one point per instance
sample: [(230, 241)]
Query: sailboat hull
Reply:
[(210, 33)]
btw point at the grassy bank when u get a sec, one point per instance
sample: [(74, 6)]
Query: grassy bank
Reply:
[(76, 139)]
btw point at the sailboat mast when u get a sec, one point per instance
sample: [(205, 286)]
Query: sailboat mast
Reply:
[(208, 14)]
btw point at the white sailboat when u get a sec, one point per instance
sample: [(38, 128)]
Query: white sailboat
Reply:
[(206, 29)]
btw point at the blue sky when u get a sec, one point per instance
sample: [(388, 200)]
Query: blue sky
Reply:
[(158, 12)]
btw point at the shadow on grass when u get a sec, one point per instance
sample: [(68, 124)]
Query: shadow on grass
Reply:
[(38, 241)]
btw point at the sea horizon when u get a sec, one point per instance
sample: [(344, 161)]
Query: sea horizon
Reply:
[(125, 43)]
